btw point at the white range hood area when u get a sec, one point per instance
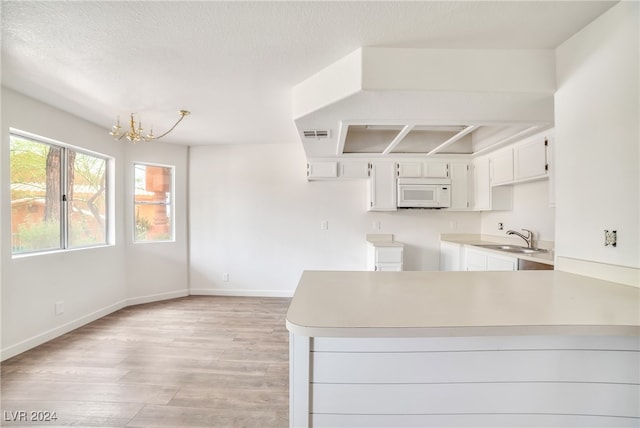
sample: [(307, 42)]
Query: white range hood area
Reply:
[(423, 102)]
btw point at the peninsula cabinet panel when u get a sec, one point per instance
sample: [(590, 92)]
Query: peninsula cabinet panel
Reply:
[(496, 421), (590, 399), (477, 366)]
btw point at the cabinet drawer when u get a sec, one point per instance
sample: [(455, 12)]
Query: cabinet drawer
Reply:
[(389, 254)]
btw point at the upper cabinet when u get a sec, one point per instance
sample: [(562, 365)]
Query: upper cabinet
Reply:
[(501, 164), (382, 186), (316, 170), (461, 186), (488, 197), (524, 161), (530, 159), (422, 169), (354, 169)]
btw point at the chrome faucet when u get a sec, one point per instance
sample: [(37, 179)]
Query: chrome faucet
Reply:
[(528, 239)]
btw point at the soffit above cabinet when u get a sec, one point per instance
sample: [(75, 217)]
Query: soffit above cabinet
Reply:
[(381, 101)]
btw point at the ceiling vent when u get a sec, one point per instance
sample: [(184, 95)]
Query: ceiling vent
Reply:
[(317, 134)]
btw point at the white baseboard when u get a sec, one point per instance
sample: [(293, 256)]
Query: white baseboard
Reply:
[(48, 335), (240, 292), (620, 274), (157, 297)]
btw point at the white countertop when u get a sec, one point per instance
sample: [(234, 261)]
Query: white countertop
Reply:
[(475, 240), (383, 240), (413, 304)]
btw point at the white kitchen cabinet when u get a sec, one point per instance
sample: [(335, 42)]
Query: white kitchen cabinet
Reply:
[(451, 255), (385, 258), (501, 164), (460, 186), (551, 170), (522, 162), (486, 197), (436, 170), (382, 186), (530, 159), (316, 170), (354, 169), (478, 260), (409, 169), (422, 169), (481, 184)]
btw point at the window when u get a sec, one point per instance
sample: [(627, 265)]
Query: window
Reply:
[(58, 196), (153, 202)]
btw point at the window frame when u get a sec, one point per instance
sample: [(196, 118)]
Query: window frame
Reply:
[(170, 206), (64, 245)]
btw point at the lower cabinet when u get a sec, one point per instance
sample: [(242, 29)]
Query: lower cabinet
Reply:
[(478, 260), (385, 258), (451, 256)]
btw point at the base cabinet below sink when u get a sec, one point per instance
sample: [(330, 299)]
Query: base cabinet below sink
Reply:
[(477, 260)]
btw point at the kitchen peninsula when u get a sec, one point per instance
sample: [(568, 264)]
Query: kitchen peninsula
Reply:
[(463, 348)]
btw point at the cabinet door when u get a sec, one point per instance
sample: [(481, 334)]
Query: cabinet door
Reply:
[(475, 260), (551, 171), (322, 170), (501, 263), (450, 256), (436, 170), (481, 184), (354, 169), (382, 187), (502, 167), (530, 159), (460, 194), (409, 169)]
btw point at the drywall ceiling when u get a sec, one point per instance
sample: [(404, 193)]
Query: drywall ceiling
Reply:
[(233, 64)]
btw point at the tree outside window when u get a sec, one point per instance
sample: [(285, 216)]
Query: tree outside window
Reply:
[(58, 196), (153, 203)]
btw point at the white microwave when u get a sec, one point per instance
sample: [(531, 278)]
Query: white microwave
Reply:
[(424, 193)]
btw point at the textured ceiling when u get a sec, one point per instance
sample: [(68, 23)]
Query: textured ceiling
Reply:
[(233, 64)]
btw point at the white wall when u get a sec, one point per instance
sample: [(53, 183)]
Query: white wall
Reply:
[(91, 282), (254, 216), (597, 140), (157, 270), (531, 211)]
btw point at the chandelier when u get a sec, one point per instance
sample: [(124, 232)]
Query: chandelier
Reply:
[(134, 134)]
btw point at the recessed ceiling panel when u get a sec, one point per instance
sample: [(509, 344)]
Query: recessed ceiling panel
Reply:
[(422, 140), (369, 138)]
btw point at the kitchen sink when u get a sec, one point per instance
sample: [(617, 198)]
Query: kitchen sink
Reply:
[(512, 248)]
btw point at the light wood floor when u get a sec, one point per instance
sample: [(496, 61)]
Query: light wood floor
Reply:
[(191, 362)]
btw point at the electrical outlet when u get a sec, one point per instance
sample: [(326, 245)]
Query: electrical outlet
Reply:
[(376, 225), (610, 238), (59, 307), (324, 225), (225, 277), (500, 226)]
